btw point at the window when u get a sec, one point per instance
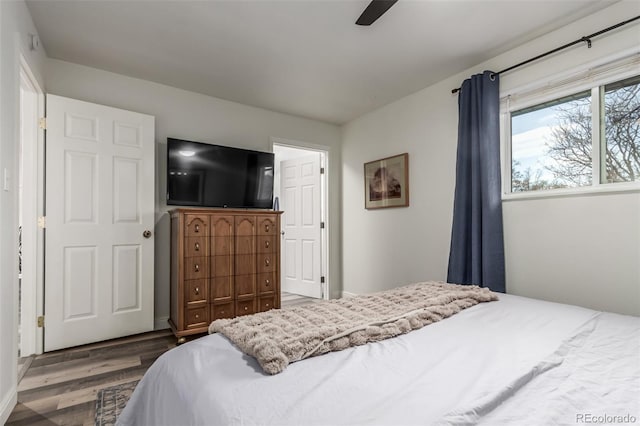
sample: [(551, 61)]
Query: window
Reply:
[(553, 143), (620, 115)]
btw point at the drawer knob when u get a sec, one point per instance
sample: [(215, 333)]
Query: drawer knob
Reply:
[(221, 312), (267, 262), (197, 228), (197, 290), (246, 308), (196, 267), (267, 282), (197, 246), (267, 305), (266, 244), (197, 316), (266, 228)]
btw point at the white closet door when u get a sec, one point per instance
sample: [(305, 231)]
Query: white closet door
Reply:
[(99, 206)]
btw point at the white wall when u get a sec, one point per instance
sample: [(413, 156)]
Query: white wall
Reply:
[(15, 27), (583, 250), (196, 117)]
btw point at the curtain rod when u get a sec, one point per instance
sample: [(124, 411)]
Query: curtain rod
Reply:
[(585, 39)]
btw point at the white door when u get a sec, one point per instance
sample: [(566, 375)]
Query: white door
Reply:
[(99, 202), (301, 221)]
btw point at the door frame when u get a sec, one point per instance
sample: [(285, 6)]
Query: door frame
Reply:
[(324, 204), (32, 306)]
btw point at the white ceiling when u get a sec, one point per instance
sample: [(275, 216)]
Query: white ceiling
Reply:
[(302, 57)]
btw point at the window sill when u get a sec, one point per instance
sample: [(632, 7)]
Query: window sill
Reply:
[(607, 188)]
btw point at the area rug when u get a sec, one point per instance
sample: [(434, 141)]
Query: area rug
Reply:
[(111, 401)]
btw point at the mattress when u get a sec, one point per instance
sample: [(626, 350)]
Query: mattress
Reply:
[(515, 361)]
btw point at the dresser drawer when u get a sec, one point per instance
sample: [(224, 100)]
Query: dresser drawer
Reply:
[(245, 225), (221, 266), (196, 317), (266, 262), (245, 244), (266, 282), (245, 285), (196, 225), (266, 303), (267, 225), (222, 310), (245, 307), (222, 246), (245, 264), (195, 291), (266, 244), (221, 289), (195, 246), (196, 268)]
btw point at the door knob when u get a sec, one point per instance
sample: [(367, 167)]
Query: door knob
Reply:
[(146, 233)]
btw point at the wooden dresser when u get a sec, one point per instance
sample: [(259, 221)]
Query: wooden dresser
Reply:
[(224, 263)]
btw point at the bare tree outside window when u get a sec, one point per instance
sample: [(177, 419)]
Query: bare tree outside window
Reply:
[(570, 145), (622, 131), (552, 143)]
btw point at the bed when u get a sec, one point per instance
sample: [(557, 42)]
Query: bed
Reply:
[(515, 361)]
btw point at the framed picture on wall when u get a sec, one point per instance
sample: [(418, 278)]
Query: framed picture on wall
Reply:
[(386, 182)]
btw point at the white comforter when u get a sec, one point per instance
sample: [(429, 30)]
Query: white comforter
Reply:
[(517, 361)]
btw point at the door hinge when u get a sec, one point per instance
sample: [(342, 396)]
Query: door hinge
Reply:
[(42, 123), (41, 321), (321, 170), (42, 222), (321, 225), (321, 280)]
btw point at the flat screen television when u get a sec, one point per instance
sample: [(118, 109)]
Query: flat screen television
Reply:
[(205, 175)]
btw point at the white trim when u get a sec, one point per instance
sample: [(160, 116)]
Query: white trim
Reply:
[(347, 294), (505, 140), (40, 232), (8, 404), (30, 196), (298, 144), (605, 188), (160, 323), (596, 138), (324, 233), (325, 152)]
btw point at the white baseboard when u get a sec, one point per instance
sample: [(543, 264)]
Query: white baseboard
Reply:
[(7, 405), (348, 294), (161, 323)]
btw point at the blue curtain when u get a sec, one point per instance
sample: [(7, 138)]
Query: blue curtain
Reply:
[(477, 245)]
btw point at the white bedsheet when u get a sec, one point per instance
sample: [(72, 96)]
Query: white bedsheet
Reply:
[(516, 361)]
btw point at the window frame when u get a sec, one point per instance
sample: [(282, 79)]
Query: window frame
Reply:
[(590, 77)]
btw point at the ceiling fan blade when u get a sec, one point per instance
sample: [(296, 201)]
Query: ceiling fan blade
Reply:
[(375, 10)]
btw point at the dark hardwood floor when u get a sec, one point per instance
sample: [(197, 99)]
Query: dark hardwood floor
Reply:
[(59, 388), (290, 299)]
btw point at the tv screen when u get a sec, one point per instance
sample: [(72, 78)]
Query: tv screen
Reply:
[(200, 174)]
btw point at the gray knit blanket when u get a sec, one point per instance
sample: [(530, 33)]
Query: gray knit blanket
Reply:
[(279, 337)]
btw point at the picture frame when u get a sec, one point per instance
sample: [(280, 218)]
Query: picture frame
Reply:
[(386, 182)]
